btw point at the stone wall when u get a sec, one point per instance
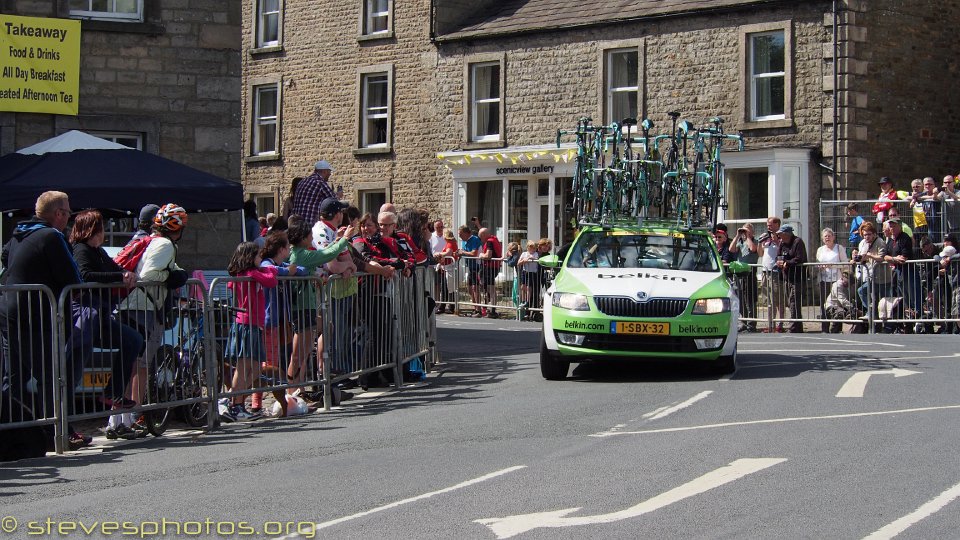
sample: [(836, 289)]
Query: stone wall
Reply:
[(692, 65), (319, 65), (175, 78), (910, 65)]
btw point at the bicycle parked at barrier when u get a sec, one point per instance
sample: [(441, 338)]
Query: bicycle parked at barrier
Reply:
[(179, 371)]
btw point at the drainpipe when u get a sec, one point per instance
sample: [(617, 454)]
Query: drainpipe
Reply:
[(836, 102)]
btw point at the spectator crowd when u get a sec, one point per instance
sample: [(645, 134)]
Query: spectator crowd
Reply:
[(899, 263)]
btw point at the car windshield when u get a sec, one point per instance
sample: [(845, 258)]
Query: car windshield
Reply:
[(623, 249)]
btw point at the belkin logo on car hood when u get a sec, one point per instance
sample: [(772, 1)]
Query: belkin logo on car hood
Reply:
[(642, 275)]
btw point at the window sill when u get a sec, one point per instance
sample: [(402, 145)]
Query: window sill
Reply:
[(128, 27), (266, 50), (768, 124), (480, 145), (373, 151), (262, 157), (374, 37)]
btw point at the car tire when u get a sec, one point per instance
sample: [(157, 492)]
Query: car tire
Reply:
[(552, 368), (725, 365)]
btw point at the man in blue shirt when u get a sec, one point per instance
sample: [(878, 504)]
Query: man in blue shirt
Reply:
[(471, 249), (855, 221)]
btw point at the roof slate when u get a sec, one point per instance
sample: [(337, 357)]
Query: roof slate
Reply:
[(514, 16)]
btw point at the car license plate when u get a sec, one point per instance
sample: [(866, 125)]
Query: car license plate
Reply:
[(642, 328), (96, 380)]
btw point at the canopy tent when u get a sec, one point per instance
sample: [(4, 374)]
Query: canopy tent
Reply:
[(99, 174)]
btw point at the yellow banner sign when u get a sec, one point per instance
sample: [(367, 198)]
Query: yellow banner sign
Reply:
[(39, 65)]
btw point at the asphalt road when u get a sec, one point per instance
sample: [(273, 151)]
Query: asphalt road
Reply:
[(840, 436)]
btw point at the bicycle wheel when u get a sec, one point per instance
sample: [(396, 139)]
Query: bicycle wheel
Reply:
[(193, 384), (162, 388)]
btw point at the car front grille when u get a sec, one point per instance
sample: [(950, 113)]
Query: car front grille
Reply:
[(642, 344), (624, 306)]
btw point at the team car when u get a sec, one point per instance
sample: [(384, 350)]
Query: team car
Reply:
[(638, 291)]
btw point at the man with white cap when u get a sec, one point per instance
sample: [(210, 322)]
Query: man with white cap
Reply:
[(312, 191)]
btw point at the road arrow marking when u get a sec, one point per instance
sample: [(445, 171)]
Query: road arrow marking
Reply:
[(857, 383), (509, 526)]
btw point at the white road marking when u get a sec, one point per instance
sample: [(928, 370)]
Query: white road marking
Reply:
[(927, 509), (509, 526), (776, 421), (461, 485), (857, 383), (665, 411)]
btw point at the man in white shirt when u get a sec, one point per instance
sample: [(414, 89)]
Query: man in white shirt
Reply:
[(436, 246), (331, 217)]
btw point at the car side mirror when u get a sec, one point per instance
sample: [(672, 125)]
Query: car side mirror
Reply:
[(549, 261)]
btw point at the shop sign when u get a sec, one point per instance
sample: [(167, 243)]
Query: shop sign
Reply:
[(39, 65)]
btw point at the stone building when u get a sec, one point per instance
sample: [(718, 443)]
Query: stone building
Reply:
[(454, 105), (161, 76)]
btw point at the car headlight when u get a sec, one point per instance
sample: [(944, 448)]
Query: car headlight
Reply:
[(710, 306), (573, 302)]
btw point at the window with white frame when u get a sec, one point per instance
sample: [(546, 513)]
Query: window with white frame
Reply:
[(113, 10), (767, 71), (376, 17), (623, 87), (129, 139), (485, 101), (374, 109), (266, 107), (268, 23)]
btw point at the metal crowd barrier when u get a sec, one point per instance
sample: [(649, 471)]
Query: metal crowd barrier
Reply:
[(915, 297), (190, 355), (491, 284), (31, 359)]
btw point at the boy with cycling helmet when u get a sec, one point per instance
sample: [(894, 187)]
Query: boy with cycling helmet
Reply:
[(144, 308)]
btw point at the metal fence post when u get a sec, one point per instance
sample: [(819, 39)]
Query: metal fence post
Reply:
[(210, 360), (61, 411), (326, 333)]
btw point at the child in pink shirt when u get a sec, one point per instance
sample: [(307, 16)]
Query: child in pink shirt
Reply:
[(245, 341)]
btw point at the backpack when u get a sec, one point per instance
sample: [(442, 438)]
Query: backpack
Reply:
[(129, 257)]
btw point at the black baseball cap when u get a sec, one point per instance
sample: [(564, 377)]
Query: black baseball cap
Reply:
[(331, 206)]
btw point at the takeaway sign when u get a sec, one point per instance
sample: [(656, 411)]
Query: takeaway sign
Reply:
[(39, 64)]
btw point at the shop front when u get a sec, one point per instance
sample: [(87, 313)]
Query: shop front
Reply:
[(520, 193)]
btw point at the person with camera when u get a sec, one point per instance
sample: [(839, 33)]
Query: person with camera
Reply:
[(744, 248), (791, 258)]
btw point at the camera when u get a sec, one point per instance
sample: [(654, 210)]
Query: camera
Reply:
[(858, 258)]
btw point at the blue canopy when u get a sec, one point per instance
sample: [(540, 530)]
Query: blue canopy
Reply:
[(117, 179)]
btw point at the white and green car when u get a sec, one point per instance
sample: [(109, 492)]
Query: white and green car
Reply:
[(648, 291)]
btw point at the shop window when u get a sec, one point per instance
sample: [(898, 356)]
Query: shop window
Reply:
[(485, 102), (623, 87), (108, 10), (748, 195), (268, 23), (266, 119)]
